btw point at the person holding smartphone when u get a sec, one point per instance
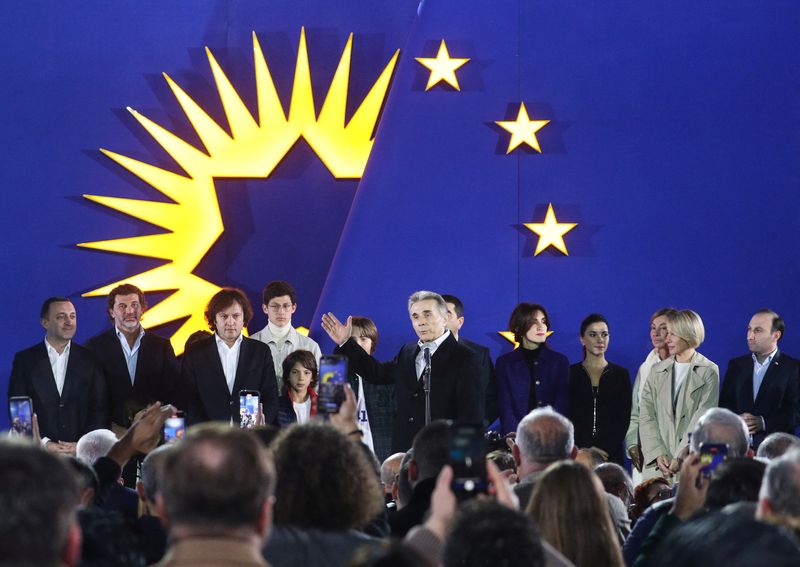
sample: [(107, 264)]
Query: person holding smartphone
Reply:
[(298, 401)]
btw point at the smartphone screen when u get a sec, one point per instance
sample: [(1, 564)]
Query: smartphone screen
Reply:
[(711, 456), (467, 452), (248, 408), (174, 428), (21, 411), (332, 378)]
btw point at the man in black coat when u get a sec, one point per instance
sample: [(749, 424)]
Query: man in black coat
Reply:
[(63, 380), (764, 386), (215, 369), (139, 366), (456, 390), (455, 320)]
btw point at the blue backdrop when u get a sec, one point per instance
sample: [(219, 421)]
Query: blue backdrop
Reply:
[(672, 143)]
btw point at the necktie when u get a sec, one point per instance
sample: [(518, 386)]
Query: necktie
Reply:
[(426, 356)]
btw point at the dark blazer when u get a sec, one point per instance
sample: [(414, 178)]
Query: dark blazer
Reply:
[(514, 385), (207, 397), (379, 400), (82, 406), (778, 400), (156, 377), (456, 388), (487, 376), (613, 409)]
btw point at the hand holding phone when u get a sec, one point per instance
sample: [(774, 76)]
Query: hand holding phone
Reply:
[(20, 408), (174, 428), (249, 401), (332, 378), (467, 452)]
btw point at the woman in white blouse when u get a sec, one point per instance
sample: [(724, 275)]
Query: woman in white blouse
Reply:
[(677, 392)]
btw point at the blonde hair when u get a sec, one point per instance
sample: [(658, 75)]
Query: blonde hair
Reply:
[(687, 325)]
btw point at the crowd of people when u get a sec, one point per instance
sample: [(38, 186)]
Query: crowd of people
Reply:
[(372, 483)]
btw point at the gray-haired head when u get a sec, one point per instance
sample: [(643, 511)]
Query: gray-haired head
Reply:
[(720, 425), (151, 468), (95, 444), (545, 436), (776, 445), (781, 485), (422, 295)]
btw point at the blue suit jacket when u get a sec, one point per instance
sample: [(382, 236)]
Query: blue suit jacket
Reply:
[(514, 385)]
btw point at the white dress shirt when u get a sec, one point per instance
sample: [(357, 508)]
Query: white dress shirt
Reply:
[(229, 357), (433, 345), (58, 363), (759, 370), (131, 353)]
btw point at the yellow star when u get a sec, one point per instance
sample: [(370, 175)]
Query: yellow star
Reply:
[(509, 336), (551, 232), (443, 67), (523, 130)]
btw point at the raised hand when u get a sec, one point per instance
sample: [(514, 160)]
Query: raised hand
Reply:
[(336, 331)]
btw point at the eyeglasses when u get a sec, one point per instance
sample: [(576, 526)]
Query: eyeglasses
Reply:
[(279, 306)]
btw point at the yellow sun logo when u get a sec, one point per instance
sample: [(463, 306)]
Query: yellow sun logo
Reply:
[(252, 150)]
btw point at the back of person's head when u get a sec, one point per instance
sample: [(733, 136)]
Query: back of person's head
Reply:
[(486, 533), (390, 468), (779, 497), (87, 480), (387, 553), (108, 541), (430, 447), (569, 508), (590, 457), (216, 479), (776, 445), (615, 480), (735, 480), (151, 470), (732, 540), (325, 479), (95, 444), (720, 425), (503, 460), (404, 487), (38, 501), (545, 436)]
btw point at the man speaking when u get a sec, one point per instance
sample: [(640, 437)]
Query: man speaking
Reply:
[(435, 367)]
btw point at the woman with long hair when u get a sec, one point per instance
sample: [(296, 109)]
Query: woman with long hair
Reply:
[(599, 393), (533, 375), (569, 507)]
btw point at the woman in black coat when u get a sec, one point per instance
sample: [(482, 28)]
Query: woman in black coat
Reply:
[(599, 394)]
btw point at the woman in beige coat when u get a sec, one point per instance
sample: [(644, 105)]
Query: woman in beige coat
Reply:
[(675, 395)]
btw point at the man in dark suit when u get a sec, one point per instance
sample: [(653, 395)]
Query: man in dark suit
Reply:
[(215, 369), (454, 372), (139, 366), (764, 386), (63, 380), (455, 320)]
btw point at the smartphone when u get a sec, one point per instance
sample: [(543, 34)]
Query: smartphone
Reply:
[(20, 408), (467, 456), (711, 456), (174, 428), (248, 408), (332, 378)]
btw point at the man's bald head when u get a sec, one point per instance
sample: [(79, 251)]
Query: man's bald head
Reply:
[(545, 436)]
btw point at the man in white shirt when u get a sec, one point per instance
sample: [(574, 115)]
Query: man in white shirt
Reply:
[(763, 387), (63, 380), (279, 304), (217, 368)]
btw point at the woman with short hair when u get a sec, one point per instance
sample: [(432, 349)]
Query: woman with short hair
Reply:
[(677, 392)]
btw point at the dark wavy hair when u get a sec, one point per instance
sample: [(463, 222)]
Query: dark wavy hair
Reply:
[(325, 480), (223, 299), (521, 319)]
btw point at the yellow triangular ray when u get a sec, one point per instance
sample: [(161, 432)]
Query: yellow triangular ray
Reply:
[(366, 116), (301, 111), (239, 118), (335, 105), (170, 184), (214, 138), (192, 160), (270, 110), (165, 215), (151, 246)]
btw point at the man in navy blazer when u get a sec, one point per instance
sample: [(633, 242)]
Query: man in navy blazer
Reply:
[(764, 386), (63, 380), (456, 389), (139, 366), (215, 369)]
